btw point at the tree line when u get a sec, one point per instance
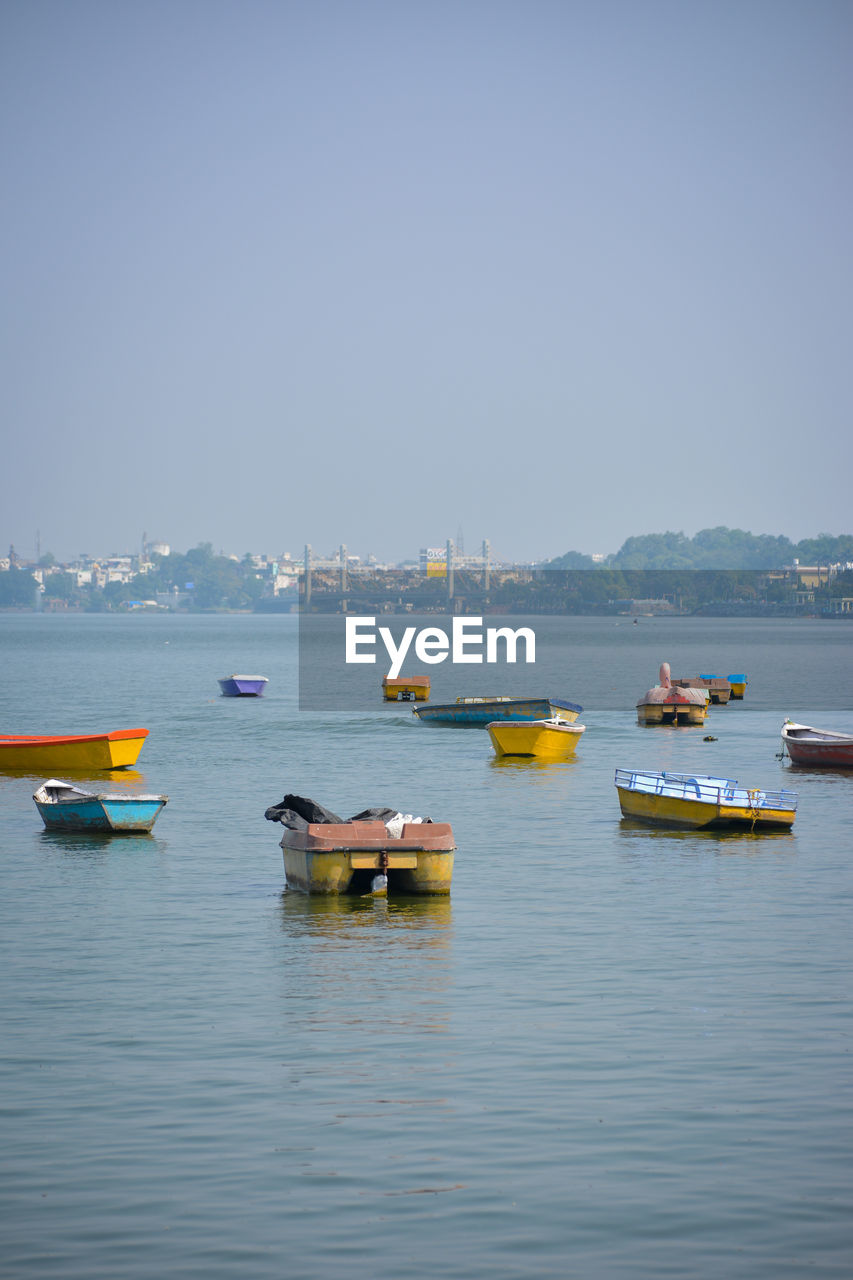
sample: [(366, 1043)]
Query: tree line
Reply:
[(719, 548)]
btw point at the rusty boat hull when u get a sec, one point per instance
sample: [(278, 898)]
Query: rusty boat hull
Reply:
[(344, 857)]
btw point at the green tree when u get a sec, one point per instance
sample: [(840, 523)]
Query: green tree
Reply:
[(825, 549), (17, 587), (116, 593), (61, 586), (571, 560)]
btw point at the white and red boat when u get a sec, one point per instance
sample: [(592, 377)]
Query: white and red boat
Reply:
[(672, 704), (806, 745)]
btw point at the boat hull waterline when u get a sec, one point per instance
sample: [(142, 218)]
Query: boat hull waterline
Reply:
[(682, 800), (96, 751)]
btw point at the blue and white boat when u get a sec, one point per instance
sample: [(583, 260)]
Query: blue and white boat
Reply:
[(485, 710), (64, 807)]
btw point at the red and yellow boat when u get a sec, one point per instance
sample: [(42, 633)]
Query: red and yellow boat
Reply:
[(48, 753)]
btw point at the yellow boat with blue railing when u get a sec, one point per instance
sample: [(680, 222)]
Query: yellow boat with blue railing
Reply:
[(684, 800)]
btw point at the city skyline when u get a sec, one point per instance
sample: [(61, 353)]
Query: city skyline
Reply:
[(324, 557)]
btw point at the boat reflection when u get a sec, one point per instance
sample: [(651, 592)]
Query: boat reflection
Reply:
[(99, 841), (97, 777), (534, 764), (418, 920), (722, 840), (342, 953)]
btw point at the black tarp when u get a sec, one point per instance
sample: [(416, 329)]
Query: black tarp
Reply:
[(297, 812)]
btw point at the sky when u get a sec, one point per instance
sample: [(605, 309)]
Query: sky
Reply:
[(551, 273)]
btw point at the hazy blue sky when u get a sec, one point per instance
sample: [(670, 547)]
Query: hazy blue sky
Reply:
[(554, 271)]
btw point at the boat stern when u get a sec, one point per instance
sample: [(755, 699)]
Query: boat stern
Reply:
[(344, 857)]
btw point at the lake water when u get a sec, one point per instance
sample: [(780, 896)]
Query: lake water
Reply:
[(612, 1052)]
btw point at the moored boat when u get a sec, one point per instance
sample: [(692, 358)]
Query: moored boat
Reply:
[(64, 807), (405, 688), (551, 739), (238, 686), (45, 752), (719, 689), (738, 683), (334, 855), (821, 747), (672, 704), (682, 800), (483, 710)]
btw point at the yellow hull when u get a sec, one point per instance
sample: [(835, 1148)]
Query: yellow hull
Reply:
[(98, 752), (738, 690), (674, 811), (535, 738), (679, 713), (405, 690), (336, 871)]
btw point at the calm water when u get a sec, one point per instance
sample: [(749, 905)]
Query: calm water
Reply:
[(614, 1052)]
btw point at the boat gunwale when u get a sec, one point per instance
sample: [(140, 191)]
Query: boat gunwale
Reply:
[(797, 733), (56, 739), (521, 726), (78, 795), (475, 710), (318, 838)]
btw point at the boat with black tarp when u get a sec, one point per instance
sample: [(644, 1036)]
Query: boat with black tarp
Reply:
[(376, 851)]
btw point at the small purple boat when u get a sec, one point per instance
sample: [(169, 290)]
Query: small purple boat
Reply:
[(242, 686)]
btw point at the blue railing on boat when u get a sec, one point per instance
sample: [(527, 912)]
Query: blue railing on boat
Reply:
[(722, 791)]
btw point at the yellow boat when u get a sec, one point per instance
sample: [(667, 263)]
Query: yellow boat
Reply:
[(681, 800), (552, 739), (345, 857), (63, 752), (738, 683), (405, 688)]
